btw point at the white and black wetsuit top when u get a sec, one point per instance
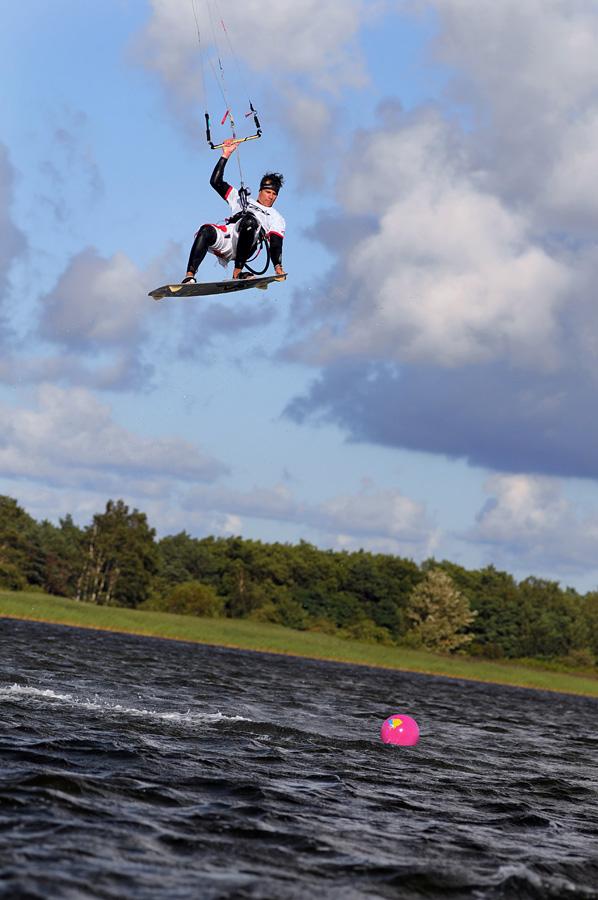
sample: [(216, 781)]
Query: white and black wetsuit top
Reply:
[(268, 217)]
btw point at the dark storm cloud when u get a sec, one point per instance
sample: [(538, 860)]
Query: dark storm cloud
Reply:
[(492, 416)]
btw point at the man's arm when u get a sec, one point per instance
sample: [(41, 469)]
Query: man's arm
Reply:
[(217, 181), (276, 252)]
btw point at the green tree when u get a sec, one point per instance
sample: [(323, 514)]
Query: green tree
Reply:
[(366, 630), (63, 551), (190, 598), (590, 614), (439, 613), (277, 605), (552, 623), (21, 557), (240, 591), (494, 595), (122, 558), (382, 585), (11, 576), (184, 558)]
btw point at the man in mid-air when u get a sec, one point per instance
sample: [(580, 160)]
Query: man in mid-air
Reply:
[(239, 237)]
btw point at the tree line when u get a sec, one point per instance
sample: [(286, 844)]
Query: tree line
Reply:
[(118, 560)]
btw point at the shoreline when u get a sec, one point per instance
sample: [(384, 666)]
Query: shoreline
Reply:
[(247, 635)]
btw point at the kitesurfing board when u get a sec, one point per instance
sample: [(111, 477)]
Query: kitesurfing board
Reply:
[(214, 287)]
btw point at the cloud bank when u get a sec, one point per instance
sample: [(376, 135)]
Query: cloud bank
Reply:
[(382, 520), (459, 316), (300, 37), (68, 438), (530, 520)]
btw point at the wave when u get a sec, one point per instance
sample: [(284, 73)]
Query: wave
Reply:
[(98, 704), (520, 880)]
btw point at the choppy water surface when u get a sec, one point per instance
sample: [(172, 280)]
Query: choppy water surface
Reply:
[(133, 767)]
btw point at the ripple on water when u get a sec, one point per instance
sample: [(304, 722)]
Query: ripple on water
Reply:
[(139, 768)]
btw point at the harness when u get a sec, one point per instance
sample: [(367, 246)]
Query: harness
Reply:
[(262, 242)]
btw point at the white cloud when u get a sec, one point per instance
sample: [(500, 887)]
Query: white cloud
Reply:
[(99, 313), (290, 37), (376, 513), (292, 58), (470, 255), (69, 438), (375, 519), (529, 520), (449, 274), (529, 71), (568, 189), (92, 304), (459, 314), (382, 519), (275, 503), (122, 370), (311, 122)]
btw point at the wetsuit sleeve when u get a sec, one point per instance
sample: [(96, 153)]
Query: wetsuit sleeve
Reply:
[(276, 249), (217, 179)]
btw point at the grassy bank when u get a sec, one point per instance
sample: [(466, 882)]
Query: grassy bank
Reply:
[(248, 635)]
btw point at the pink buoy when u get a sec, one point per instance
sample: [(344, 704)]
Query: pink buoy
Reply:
[(400, 729)]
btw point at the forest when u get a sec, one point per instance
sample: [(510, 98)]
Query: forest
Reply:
[(118, 560)]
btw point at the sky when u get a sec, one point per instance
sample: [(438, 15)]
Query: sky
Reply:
[(423, 384)]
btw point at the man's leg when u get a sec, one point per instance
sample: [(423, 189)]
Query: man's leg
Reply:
[(204, 239), (247, 232)]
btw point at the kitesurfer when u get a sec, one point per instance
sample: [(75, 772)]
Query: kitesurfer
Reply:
[(239, 237)]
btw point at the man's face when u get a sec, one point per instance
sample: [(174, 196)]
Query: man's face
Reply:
[(267, 196)]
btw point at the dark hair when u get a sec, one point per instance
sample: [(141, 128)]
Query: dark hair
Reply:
[(272, 180)]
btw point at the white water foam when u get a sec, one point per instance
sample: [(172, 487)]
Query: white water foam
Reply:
[(17, 691), (555, 884)]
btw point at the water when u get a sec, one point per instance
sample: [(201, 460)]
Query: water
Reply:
[(134, 767)]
